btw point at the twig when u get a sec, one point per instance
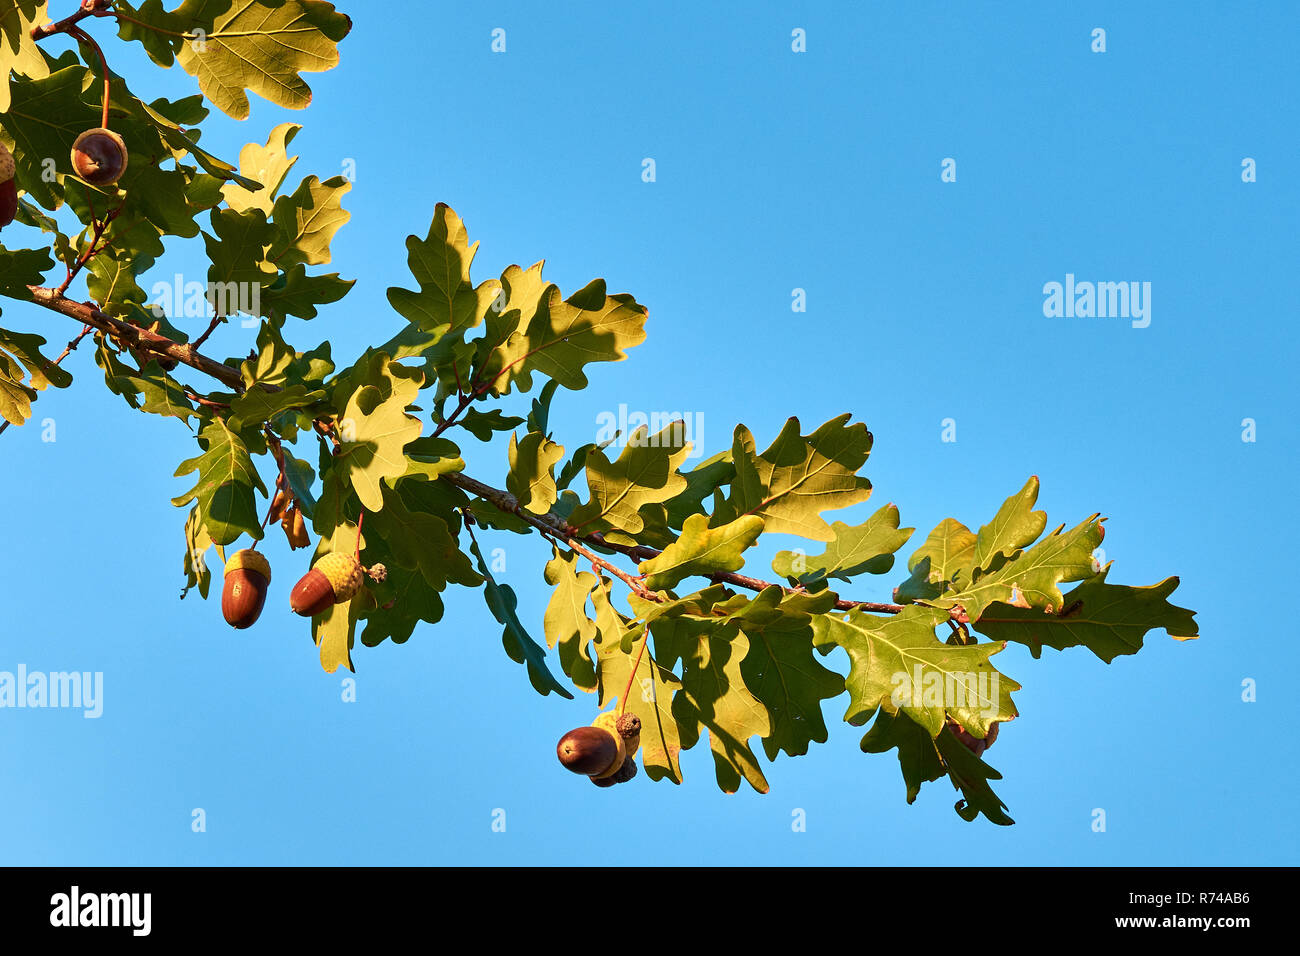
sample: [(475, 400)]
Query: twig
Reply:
[(63, 26), (217, 320), (552, 526), (97, 231)]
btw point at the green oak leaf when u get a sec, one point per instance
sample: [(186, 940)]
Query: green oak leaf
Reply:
[(798, 477), (645, 471), (183, 142), (714, 696), (161, 31), (532, 471), (159, 393), (304, 223), (1015, 526), (897, 663), (417, 537), (430, 457), (520, 295), (271, 362), (18, 352), (225, 485), (20, 268), (945, 555), (259, 405), (237, 251), (301, 477), (111, 281), (482, 425), (783, 673), (44, 118), (29, 214), (404, 599), (26, 348), (1031, 578), (267, 166), (501, 601), (540, 412), (1108, 619), (334, 629), (971, 775), (296, 293), (197, 543), (564, 336), (867, 548), (375, 427), (701, 482), (262, 47), (19, 53), (448, 304), (702, 550), (918, 757), (566, 622)]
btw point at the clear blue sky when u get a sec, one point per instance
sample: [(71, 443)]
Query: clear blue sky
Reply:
[(775, 170)]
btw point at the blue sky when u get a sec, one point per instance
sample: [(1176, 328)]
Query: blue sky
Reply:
[(775, 171)]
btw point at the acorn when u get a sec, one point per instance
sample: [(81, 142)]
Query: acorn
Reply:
[(587, 750), (8, 187), (248, 575), (975, 745), (334, 579), (99, 156)]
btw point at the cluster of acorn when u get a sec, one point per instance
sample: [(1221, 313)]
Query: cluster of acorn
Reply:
[(334, 579), (605, 751)]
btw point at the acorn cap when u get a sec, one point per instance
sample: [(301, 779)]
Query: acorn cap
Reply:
[(607, 722), (628, 725), (627, 771), (6, 164), (344, 574), (252, 560)]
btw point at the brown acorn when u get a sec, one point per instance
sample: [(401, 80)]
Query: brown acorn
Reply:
[(8, 187), (248, 576), (334, 579), (587, 750), (99, 156)]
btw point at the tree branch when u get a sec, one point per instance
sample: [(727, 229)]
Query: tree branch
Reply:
[(549, 524), (552, 526), (145, 340)]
